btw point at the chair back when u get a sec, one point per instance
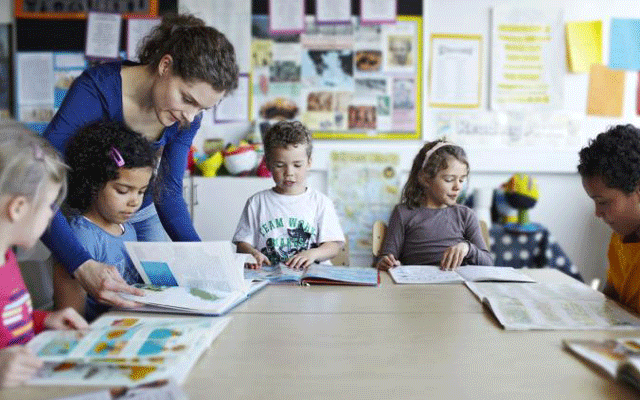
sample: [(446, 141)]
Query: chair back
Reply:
[(343, 257), (377, 236), (484, 228)]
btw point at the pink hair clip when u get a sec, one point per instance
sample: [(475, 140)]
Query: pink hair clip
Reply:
[(117, 157)]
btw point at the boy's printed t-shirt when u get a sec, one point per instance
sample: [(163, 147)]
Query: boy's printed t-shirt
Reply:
[(19, 320), (280, 226), (624, 271)]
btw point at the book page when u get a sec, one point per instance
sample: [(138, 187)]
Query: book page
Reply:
[(187, 299), (423, 274), (482, 273), (319, 273), (202, 265), (606, 355), (520, 306), (275, 274)]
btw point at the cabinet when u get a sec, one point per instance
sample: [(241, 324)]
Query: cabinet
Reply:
[(217, 203)]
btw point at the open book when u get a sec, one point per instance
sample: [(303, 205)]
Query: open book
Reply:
[(619, 358), (124, 351), (191, 277), (574, 305), (316, 274), (418, 274)]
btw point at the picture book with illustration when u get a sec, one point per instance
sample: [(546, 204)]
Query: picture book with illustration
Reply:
[(191, 277), (316, 274), (619, 358), (124, 351)]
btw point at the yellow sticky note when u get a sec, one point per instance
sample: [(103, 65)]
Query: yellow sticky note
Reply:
[(606, 91), (584, 45)]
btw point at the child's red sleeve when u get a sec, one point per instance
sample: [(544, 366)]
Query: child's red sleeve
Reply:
[(38, 320)]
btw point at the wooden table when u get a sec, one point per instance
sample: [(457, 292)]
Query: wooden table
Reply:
[(394, 341)]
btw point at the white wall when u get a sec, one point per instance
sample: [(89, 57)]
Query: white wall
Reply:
[(6, 11), (563, 207)]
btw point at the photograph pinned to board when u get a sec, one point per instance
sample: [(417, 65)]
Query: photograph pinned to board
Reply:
[(455, 71), (344, 81)]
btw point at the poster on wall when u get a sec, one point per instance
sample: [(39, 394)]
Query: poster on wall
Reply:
[(344, 81), (42, 81), (528, 59), (364, 188), (455, 71)]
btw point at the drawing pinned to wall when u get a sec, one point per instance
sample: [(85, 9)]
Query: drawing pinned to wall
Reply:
[(606, 91), (354, 81), (527, 59), (65, 9), (455, 71), (624, 46)]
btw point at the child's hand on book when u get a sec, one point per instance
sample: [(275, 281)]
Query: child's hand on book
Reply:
[(453, 256), (65, 319), (301, 260), (261, 259), (387, 261), (17, 365)]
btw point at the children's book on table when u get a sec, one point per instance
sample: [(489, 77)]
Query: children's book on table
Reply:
[(619, 358), (124, 351), (317, 274), (431, 274), (191, 277)]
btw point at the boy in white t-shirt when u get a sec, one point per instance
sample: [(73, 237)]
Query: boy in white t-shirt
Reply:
[(290, 223)]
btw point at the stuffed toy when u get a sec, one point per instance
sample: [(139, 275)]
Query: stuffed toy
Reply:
[(521, 193)]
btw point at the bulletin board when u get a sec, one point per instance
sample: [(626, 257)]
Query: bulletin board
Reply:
[(343, 81)]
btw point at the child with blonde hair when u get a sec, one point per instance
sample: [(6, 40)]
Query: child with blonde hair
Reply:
[(428, 227), (32, 186)]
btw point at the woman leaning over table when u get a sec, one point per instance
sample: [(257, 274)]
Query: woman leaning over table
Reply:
[(185, 67)]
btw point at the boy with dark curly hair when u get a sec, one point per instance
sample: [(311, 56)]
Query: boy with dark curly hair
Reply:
[(610, 171), (111, 167), (291, 223)]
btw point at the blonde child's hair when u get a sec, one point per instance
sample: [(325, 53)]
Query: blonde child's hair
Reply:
[(28, 162), (413, 192)]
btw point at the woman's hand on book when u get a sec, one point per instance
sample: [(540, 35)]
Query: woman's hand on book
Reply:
[(103, 282), (387, 261), (65, 319), (17, 365), (454, 255)]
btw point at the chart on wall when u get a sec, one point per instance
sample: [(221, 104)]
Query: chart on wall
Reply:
[(343, 81)]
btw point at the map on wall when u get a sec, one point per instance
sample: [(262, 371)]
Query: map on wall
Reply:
[(344, 81), (364, 188)]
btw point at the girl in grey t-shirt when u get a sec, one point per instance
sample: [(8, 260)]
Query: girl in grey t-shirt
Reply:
[(428, 227)]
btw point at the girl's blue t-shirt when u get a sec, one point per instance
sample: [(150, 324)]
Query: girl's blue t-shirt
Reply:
[(97, 95)]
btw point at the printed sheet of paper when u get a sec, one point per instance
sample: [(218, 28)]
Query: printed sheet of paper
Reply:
[(333, 11), (286, 16), (137, 29), (606, 91), (423, 274), (528, 306), (378, 11), (456, 71), (584, 45), (235, 106), (624, 45), (202, 265), (528, 59), (103, 35)]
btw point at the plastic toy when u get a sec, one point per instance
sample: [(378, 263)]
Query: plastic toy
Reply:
[(521, 192)]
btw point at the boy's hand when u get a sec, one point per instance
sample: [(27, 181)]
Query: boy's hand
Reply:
[(17, 365), (301, 260), (387, 261), (65, 319), (260, 260), (453, 256)]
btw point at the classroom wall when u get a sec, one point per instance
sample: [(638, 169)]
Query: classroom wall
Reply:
[(563, 207), (6, 11)]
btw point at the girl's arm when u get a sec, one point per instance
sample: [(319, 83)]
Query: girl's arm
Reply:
[(478, 253), (392, 244), (172, 209)]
